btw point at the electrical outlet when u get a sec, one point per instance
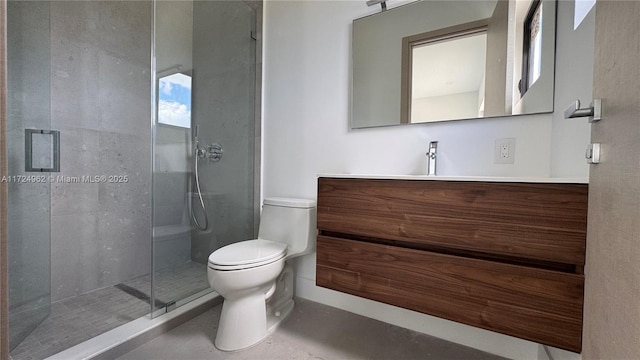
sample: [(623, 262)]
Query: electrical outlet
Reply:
[(505, 151)]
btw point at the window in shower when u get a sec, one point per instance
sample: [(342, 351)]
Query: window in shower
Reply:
[(174, 100)]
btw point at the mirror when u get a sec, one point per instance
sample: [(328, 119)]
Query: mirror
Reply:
[(451, 60)]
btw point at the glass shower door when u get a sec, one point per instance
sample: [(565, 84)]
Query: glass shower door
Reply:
[(206, 107), (29, 201)]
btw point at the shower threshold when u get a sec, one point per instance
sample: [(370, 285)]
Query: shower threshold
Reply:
[(80, 318), (126, 337)]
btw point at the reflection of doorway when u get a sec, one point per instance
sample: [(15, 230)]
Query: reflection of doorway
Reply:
[(443, 73), (447, 77)]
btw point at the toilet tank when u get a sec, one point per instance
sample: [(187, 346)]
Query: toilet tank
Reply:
[(291, 221)]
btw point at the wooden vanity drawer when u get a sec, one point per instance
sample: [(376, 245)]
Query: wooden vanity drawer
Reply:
[(540, 305), (536, 221)]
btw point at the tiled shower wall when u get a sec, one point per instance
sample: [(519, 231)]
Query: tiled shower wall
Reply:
[(224, 107), (100, 102)]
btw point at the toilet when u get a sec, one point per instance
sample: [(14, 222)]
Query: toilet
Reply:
[(252, 277)]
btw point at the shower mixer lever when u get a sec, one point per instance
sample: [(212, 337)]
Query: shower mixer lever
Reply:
[(214, 152)]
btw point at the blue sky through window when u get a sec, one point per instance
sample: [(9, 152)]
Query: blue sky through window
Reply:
[(174, 100)]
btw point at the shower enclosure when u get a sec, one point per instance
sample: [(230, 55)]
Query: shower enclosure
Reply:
[(104, 98), (29, 203), (206, 120)]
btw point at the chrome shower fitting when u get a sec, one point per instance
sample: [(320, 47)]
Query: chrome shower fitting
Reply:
[(214, 152), (200, 153)]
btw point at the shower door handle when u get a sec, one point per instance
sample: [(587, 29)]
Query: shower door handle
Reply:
[(41, 150)]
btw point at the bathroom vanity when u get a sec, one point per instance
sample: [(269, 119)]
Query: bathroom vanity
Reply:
[(501, 254)]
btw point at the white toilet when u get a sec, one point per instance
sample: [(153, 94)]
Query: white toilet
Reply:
[(252, 277)]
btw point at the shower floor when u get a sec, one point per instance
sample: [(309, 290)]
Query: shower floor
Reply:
[(79, 318)]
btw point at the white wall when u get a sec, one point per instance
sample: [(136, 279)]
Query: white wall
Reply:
[(574, 80), (453, 106), (306, 132)]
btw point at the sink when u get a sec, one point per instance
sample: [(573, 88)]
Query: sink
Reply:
[(460, 178)]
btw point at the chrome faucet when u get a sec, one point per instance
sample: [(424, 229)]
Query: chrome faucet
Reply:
[(431, 155)]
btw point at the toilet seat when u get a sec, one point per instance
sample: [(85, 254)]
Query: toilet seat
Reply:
[(247, 254)]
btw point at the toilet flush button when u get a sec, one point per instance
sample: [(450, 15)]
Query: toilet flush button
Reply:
[(277, 313)]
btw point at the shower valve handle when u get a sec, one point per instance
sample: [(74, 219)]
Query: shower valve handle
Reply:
[(214, 152)]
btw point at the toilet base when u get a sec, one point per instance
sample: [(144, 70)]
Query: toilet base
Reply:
[(275, 318), (248, 320), (243, 322)]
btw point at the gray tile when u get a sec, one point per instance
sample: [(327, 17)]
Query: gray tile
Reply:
[(174, 214), (100, 87), (125, 155), (74, 89), (29, 259), (28, 200), (29, 60), (313, 331), (166, 135), (125, 28), (172, 252), (78, 158), (233, 19), (74, 255), (125, 244), (171, 188), (75, 20), (124, 90), (79, 318), (176, 282), (73, 198)]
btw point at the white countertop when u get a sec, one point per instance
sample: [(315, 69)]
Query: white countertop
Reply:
[(459, 178)]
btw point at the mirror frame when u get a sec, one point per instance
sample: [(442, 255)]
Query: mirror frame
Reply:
[(403, 97)]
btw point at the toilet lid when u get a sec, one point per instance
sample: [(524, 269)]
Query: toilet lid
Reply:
[(248, 252)]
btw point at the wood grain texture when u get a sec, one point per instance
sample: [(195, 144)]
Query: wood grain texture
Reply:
[(538, 305), (539, 221), (490, 255)]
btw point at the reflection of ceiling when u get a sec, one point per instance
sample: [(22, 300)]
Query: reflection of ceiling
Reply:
[(449, 67)]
